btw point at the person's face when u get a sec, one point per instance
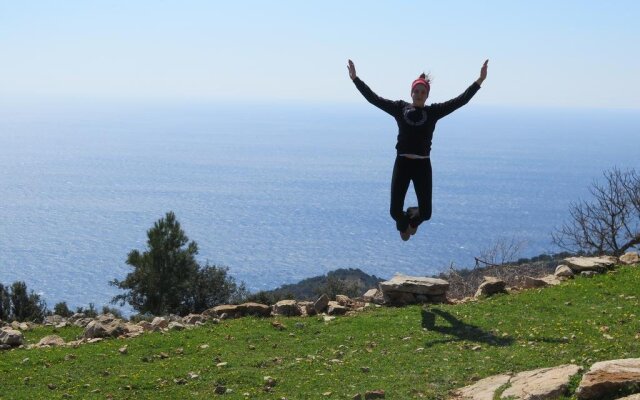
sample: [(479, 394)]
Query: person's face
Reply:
[(419, 95)]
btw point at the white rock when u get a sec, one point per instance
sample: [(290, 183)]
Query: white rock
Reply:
[(541, 384)]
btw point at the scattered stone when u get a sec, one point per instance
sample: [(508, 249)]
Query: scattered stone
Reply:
[(180, 381), (278, 325), (374, 394), (588, 274), (484, 389), (321, 304), (256, 309), (606, 377), (221, 364), (344, 301), (334, 308), (357, 396), (365, 369), (11, 337), (175, 326), (51, 386), (51, 341), (228, 311), (193, 375), (123, 350), (490, 286), (287, 308), (191, 319), (579, 264), (563, 271), (540, 384), (531, 283), (104, 327), (220, 389), (160, 322), (630, 258), (307, 308), (147, 326)]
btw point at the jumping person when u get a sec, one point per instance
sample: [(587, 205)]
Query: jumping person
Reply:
[(416, 123)]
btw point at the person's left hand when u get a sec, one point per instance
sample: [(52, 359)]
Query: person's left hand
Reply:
[(483, 70)]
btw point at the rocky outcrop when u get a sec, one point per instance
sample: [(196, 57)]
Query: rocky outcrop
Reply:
[(321, 304), (402, 290), (490, 286), (607, 377)]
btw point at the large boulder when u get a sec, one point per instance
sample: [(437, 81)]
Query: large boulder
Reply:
[(226, 311), (105, 327), (415, 285), (321, 304), (600, 264), (373, 296), (335, 308), (606, 378), (630, 258), (541, 384), (490, 286), (287, 308), (255, 309), (11, 337), (403, 289), (563, 271)]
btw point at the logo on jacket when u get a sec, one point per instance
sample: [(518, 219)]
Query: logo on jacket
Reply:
[(414, 117)]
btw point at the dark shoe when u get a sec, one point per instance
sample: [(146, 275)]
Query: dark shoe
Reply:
[(405, 235)]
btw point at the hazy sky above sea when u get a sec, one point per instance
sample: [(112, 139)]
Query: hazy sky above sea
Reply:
[(543, 53)]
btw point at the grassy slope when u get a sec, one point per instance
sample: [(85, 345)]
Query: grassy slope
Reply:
[(515, 332)]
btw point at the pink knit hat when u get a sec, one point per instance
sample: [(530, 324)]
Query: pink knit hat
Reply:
[(422, 80)]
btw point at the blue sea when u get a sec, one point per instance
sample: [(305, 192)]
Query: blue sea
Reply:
[(281, 192)]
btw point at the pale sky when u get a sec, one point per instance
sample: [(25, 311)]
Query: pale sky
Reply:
[(542, 53)]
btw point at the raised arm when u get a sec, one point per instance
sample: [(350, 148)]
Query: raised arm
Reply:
[(385, 105), (443, 109)]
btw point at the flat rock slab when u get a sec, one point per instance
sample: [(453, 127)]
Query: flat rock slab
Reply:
[(579, 264), (540, 384), (415, 285), (608, 377), (484, 389)]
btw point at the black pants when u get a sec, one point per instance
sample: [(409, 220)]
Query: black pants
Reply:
[(406, 170)]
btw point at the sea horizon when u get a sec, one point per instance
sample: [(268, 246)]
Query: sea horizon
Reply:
[(282, 192)]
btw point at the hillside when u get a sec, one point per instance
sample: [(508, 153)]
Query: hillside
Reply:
[(410, 352)]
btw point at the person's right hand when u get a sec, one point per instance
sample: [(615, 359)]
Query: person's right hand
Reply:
[(352, 70)]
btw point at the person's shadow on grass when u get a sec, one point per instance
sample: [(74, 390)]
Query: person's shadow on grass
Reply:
[(458, 330)]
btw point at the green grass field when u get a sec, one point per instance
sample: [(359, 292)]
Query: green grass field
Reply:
[(410, 352)]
